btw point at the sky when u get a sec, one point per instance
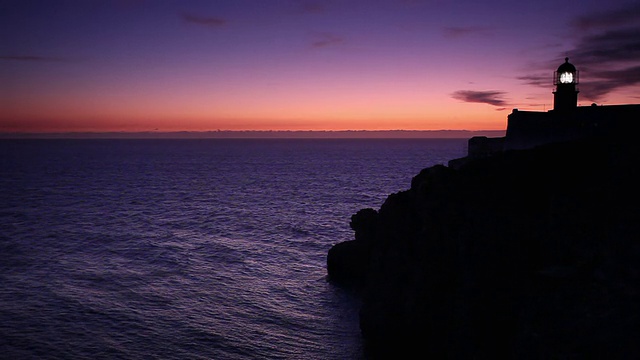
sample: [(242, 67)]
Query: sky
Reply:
[(136, 65)]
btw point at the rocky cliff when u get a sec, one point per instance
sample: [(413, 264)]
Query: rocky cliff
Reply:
[(527, 254)]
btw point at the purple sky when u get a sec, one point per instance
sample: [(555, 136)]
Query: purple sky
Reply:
[(300, 65)]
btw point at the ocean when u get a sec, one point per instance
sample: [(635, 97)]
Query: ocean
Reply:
[(188, 249)]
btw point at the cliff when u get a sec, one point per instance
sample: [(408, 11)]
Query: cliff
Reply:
[(525, 254)]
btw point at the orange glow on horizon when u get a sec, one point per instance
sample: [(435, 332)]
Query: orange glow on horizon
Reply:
[(170, 125), (132, 121), (340, 111), (390, 66)]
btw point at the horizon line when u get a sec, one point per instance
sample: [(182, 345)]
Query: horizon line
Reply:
[(253, 134)]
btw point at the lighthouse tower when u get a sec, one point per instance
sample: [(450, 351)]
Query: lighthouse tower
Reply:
[(565, 97)]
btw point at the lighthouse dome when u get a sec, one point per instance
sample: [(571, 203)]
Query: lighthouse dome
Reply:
[(566, 67)]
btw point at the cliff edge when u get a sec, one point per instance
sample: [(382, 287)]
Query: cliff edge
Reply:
[(525, 254)]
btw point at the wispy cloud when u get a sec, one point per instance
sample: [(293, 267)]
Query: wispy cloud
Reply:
[(32, 58), (313, 7), (606, 51), (610, 57), (606, 81), (618, 45), (491, 97), (541, 80), (321, 40), (204, 20), (613, 18), (460, 31)]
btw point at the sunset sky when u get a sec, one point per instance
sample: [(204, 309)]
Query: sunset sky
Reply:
[(304, 65)]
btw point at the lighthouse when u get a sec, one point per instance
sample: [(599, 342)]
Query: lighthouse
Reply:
[(565, 96)]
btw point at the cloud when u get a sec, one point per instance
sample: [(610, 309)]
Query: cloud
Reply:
[(541, 80), (312, 7), (606, 51), (609, 46), (606, 81), (491, 97), (30, 58), (610, 61), (460, 31), (204, 21), (617, 17), (322, 40)]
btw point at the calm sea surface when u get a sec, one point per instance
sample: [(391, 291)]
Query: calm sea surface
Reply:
[(187, 249)]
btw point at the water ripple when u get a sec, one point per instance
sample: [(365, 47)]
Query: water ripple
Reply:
[(187, 249)]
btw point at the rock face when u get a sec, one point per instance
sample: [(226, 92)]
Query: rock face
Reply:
[(527, 254)]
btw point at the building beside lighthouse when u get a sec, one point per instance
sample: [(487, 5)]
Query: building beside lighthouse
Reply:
[(566, 121)]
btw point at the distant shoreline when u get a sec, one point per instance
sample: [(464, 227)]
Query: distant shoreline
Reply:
[(256, 134)]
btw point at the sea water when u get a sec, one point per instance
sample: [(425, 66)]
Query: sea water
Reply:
[(188, 249)]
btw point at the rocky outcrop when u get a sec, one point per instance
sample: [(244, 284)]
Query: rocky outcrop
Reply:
[(526, 254), (348, 262)]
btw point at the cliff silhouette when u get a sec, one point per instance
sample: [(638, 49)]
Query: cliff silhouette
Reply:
[(527, 254)]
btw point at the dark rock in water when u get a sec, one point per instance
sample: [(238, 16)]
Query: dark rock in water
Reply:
[(364, 224), (526, 254), (348, 262)]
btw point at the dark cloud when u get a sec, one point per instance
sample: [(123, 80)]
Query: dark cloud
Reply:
[(326, 39), (606, 51), (609, 46), (606, 81), (609, 58), (491, 97), (313, 7), (460, 31), (413, 3), (614, 18), (30, 58), (542, 80), (203, 20)]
